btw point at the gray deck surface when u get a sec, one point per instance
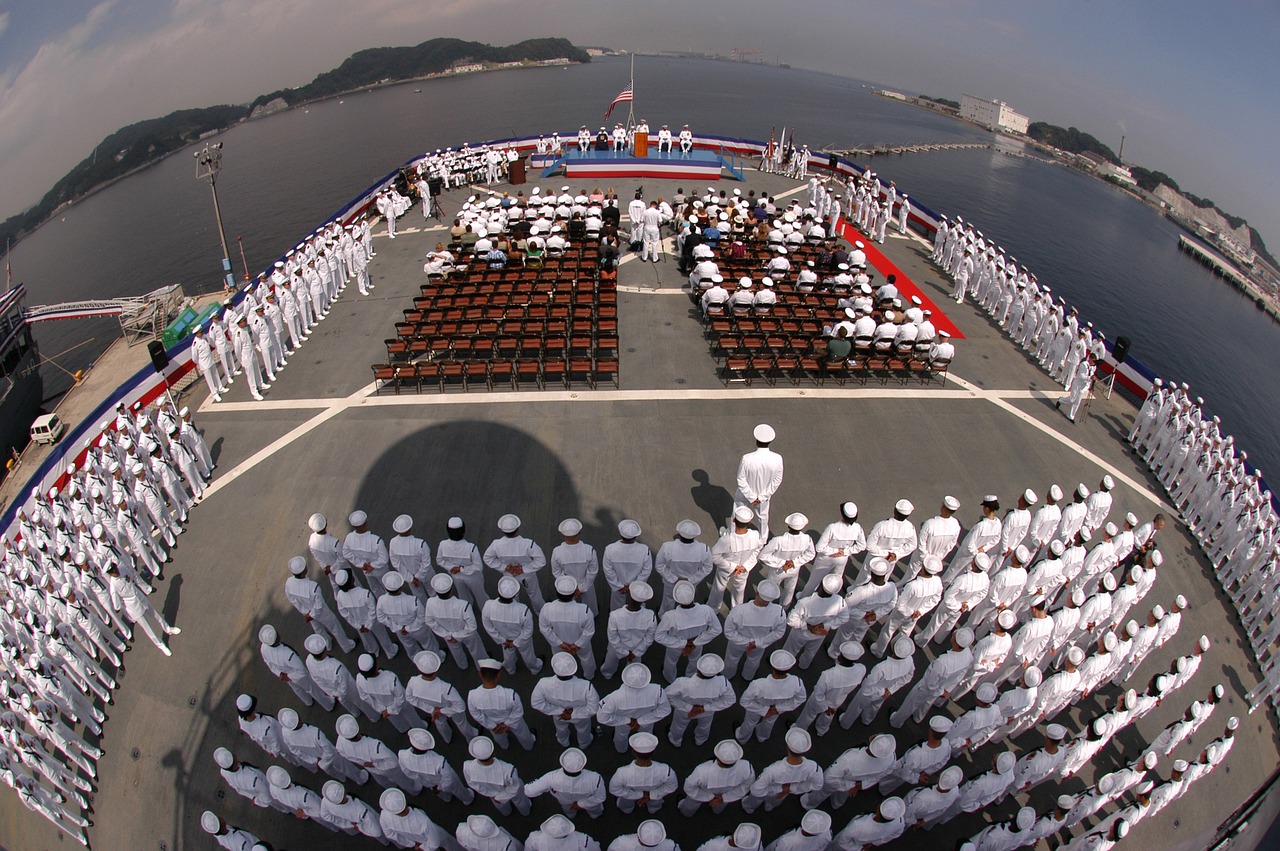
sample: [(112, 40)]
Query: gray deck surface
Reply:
[(662, 448)]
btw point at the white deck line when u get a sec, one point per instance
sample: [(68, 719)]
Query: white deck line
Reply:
[(330, 408)]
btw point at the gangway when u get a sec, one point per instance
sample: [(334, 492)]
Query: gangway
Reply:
[(142, 317)]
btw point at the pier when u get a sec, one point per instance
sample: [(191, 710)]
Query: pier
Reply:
[(923, 147), (1224, 269)]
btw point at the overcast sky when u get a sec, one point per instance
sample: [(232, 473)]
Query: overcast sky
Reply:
[(1191, 85)]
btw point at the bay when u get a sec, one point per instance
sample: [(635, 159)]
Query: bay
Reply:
[(1113, 258)]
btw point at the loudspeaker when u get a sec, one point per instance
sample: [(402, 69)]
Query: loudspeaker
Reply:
[(1120, 350), (833, 162), (435, 186), (159, 357)]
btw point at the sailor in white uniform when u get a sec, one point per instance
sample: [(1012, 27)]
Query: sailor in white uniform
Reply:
[(684, 558), (510, 624), (767, 698), (207, 361), (894, 538), (751, 629), (427, 769), (871, 830), (839, 542), (498, 709), (888, 677), (630, 630), (939, 681), (567, 699), (453, 620), (308, 599), (383, 691), (410, 556), (697, 698), (461, 559), (685, 630), (815, 617), (938, 536), (404, 617), (493, 778), (916, 598), (517, 556), (759, 476), (578, 560), (642, 782), (634, 707), (575, 787), (568, 626), (410, 827), (794, 774), (718, 782), (437, 699), (786, 555), (311, 749), (625, 561), (733, 557), (479, 833)]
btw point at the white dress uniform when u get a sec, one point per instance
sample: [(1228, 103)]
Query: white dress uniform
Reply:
[(630, 631), (311, 749), (733, 556), (929, 805), (642, 782), (759, 477), (292, 798), (922, 762), (1006, 588), (429, 770), (792, 774), (410, 827), (368, 554), (938, 536), (683, 558), (575, 787), (1029, 645), (498, 706), (1038, 765), (751, 629), (410, 556), (873, 829), (479, 833), (517, 556), (370, 753), (854, 770), (403, 616), (685, 630), (939, 681), (453, 620), (814, 618), (333, 679), (982, 537), (916, 598), (767, 698), (624, 562), (558, 834), (634, 707), (987, 788), (697, 699), (839, 542), (962, 595), (461, 560), (287, 666), (308, 599), (127, 599), (494, 778), (833, 689), (718, 782), (568, 626), (383, 691), (867, 602), (786, 555), (567, 700), (580, 562), (510, 624), (207, 361)]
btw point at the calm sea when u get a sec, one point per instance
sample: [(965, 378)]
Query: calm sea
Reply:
[(1113, 258)]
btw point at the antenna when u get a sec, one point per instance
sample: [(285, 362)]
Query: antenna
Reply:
[(631, 105)]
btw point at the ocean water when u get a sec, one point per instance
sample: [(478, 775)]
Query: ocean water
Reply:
[(1113, 258)]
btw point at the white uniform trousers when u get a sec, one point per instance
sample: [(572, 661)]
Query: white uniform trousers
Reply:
[(733, 653)]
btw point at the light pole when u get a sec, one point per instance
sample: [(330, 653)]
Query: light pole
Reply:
[(208, 164)]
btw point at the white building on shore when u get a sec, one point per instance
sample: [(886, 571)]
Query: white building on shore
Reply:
[(994, 114)]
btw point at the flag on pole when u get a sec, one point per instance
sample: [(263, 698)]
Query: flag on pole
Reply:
[(623, 96)]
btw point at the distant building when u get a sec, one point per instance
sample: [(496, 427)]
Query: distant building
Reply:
[(993, 114)]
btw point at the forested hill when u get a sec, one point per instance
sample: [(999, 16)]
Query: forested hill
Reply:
[(1070, 139), (147, 141), (431, 57)]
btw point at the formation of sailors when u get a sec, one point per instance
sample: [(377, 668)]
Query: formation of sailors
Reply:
[(278, 312), (485, 164), (1020, 618), (786, 159), (1226, 506), (75, 580), (1223, 502)]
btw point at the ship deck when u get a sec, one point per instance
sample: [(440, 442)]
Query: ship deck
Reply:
[(662, 447)]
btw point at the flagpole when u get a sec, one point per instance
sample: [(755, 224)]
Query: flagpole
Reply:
[(631, 106)]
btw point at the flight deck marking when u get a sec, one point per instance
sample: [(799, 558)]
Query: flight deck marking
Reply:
[(330, 408)]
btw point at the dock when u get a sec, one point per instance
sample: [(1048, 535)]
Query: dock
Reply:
[(920, 148), (1226, 270)]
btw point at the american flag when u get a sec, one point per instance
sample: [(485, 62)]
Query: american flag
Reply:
[(623, 96)]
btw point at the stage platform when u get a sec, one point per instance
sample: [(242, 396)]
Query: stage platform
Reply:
[(598, 165)]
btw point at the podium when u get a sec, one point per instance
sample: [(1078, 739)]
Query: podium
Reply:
[(516, 172), (641, 145)]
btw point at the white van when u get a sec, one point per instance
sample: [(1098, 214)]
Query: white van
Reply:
[(47, 429)]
